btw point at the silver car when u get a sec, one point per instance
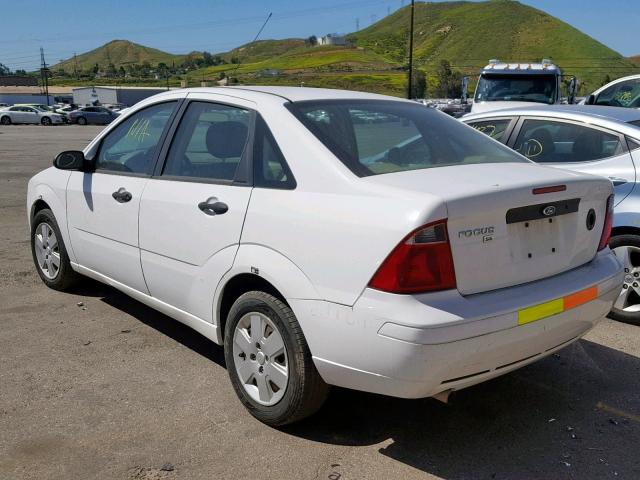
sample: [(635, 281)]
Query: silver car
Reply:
[(600, 140)]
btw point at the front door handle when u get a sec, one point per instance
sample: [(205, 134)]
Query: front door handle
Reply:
[(122, 196), (617, 181), (211, 206)]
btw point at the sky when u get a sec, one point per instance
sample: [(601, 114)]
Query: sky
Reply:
[(63, 27)]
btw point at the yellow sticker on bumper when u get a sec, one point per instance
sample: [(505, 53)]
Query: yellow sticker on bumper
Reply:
[(559, 305)]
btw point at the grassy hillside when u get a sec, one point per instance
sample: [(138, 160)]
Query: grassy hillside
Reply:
[(120, 53), (469, 34)]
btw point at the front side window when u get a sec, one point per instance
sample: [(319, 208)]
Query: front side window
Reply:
[(516, 88), (132, 145), (553, 141), (373, 137), (209, 143), (622, 94), (494, 128)]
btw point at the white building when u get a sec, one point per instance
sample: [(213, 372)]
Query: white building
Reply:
[(333, 39)]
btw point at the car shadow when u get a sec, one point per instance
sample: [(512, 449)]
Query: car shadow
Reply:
[(152, 318), (574, 415)]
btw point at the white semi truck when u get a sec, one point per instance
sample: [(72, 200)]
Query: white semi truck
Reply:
[(504, 85)]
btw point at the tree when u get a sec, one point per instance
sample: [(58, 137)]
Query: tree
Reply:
[(207, 58), (235, 60), (121, 72), (96, 68), (4, 70), (312, 40), (111, 70), (449, 82), (221, 76), (418, 84)]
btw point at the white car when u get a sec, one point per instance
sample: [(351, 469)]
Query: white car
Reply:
[(410, 256), (27, 114), (622, 92)]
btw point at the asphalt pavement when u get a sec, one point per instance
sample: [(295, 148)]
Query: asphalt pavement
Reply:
[(94, 385)]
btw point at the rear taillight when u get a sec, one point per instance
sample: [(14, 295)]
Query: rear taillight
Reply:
[(422, 262), (608, 223)]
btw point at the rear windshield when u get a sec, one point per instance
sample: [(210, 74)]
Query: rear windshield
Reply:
[(373, 137)]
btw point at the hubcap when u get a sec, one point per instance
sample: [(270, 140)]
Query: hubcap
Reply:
[(260, 358), (47, 251), (629, 298)]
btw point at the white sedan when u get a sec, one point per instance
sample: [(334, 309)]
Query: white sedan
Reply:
[(27, 114), (326, 237)]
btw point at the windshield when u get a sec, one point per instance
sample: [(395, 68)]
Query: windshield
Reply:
[(373, 137), (517, 87), (38, 107)]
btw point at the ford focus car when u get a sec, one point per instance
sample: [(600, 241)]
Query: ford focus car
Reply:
[(326, 237), (599, 140)]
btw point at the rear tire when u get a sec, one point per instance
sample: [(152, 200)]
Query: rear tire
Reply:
[(49, 252), (46, 121), (627, 307), (82, 121), (276, 389), (5, 120)]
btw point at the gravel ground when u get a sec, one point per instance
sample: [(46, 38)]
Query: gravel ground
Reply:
[(108, 388)]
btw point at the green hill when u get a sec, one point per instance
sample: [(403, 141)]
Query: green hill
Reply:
[(120, 53), (468, 34)]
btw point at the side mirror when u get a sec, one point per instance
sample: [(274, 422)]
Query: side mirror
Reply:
[(591, 99), (70, 160)]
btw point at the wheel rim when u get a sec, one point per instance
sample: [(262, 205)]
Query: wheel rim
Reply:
[(629, 298), (5, 121), (260, 358), (47, 251), (46, 121)]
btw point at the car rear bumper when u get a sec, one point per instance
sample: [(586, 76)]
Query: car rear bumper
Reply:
[(420, 345)]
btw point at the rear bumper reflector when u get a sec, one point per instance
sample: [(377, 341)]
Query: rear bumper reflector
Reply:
[(559, 305)]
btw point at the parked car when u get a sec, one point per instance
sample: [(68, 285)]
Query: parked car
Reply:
[(623, 92), (92, 115), (600, 140), (276, 223), (3, 105), (24, 114)]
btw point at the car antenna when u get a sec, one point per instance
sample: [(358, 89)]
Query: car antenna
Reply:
[(254, 39)]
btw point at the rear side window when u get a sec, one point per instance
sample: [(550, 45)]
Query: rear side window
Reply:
[(494, 128), (270, 170), (373, 137), (550, 141), (209, 142)]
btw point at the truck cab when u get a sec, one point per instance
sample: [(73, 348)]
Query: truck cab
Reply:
[(505, 85)]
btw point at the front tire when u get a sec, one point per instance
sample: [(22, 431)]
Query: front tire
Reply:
[(46, 121), (5, 120), (49, 253), (269, 362), (82, 121), (627, 306)]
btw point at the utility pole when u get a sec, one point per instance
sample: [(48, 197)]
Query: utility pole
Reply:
[(75, 65), (357, 24), (410, 82), (44, 73)]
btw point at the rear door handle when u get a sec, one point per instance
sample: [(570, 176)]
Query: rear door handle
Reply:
[(617, 181), (211, 206), (122, 196)]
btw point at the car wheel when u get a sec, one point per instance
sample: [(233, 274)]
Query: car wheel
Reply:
[(46, 121), (49, 252), (269, 362), (82, 121), (627, 307), (5, 120)]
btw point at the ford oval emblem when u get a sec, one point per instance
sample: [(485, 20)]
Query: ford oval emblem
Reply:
[(549, 210)]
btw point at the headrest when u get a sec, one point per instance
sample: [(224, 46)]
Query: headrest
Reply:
[(226, 139)]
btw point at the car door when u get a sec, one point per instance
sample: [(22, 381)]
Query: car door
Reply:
[(576, 146), (31, 115), (193, 209), (103, 206)]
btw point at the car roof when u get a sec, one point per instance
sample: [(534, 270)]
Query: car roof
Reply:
[(293, 94)]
